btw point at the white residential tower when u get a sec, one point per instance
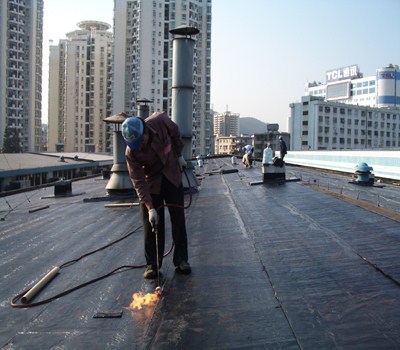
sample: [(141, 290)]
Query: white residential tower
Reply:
[(21, 36), (80, 90), (143, 59)]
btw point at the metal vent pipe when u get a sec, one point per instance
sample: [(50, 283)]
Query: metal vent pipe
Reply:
[(182, 84), (120, 182), (143, 109)]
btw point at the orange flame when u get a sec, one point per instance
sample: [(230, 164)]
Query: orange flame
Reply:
[(140, 300)]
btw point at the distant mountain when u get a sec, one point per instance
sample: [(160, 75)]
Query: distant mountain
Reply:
[(249, 126)]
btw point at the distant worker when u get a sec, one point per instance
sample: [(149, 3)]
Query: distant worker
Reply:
[(282, 147), (247, 159), (155, 163)]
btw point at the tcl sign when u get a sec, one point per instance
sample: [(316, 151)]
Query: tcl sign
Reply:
[(342, 73)]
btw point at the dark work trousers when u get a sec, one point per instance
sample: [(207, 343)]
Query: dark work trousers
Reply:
[(175, 197)]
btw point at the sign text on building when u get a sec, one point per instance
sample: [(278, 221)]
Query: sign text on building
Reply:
[(387, 75), (342, 73)]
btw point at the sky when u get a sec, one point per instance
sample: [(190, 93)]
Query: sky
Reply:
[(263, 52)]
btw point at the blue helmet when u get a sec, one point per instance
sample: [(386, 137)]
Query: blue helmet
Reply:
[(132, 131)]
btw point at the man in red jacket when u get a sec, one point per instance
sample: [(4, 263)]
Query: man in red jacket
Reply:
[(155, 163)]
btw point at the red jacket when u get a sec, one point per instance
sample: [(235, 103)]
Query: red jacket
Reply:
[(146, 165)]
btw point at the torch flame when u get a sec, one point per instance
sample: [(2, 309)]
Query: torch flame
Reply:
[(140, 300)]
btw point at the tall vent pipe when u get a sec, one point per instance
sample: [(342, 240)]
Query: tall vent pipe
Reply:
[(182, 92)]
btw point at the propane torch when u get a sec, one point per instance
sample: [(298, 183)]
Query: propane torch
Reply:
[(158, 289)]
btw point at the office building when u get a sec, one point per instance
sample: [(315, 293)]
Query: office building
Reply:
[(21, 36), (348, 112), (348, 85), (80, 90), (143, 59)]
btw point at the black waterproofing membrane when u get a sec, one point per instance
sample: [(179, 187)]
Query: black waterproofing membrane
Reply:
[(273, 267)]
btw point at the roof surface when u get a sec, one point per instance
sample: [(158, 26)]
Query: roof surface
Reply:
[(273, 267), (16, 161)]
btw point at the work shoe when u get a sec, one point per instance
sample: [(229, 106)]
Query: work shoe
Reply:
[(150, 272), (184, 268)]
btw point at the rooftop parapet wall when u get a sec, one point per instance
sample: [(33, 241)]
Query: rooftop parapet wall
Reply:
[(385, 164)]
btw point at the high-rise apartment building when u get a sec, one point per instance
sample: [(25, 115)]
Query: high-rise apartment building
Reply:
[(226, 124), (143, 59), (80, 73), (21, 37)]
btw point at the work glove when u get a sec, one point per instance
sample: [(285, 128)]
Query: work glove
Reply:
[(182, 162), (153, 217)]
